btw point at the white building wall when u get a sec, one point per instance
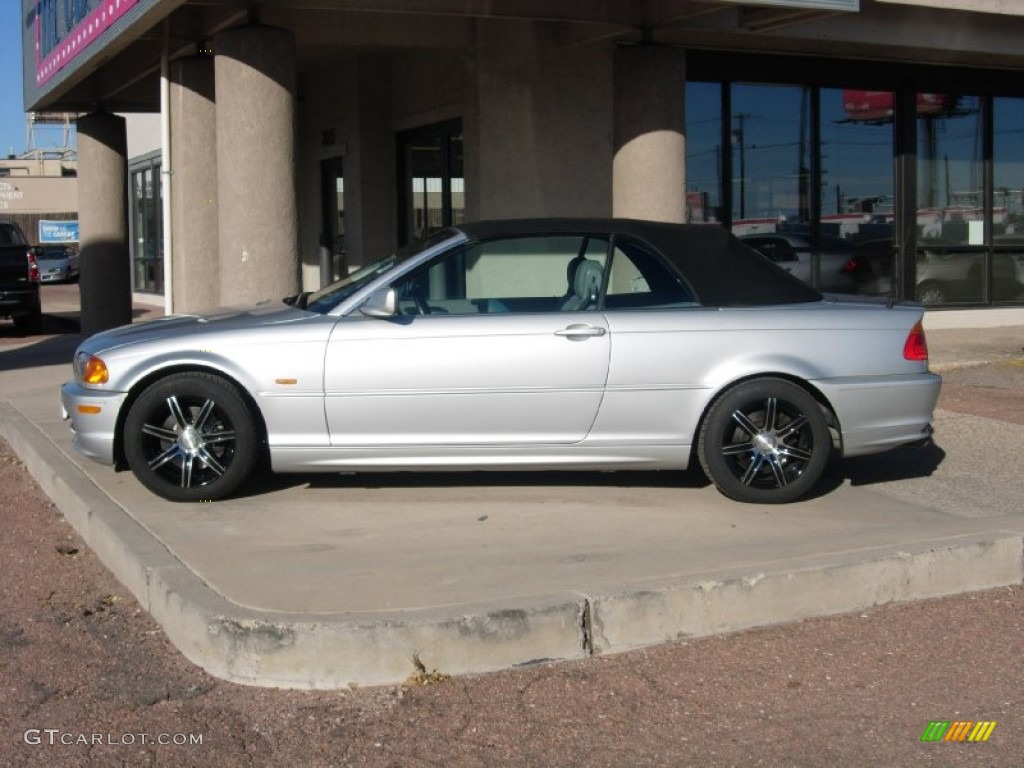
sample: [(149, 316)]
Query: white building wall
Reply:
[(143, 131)]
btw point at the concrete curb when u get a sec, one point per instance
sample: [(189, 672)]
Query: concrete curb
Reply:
[(730, 601), (323, 652)]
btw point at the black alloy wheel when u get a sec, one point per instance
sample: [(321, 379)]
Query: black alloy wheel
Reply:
[(765, 441), (190, 437)]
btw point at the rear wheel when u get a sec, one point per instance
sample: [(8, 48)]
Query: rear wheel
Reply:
[(765, 441), (190, 437)]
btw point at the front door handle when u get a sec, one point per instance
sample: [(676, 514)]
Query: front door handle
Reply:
[(581, 330)]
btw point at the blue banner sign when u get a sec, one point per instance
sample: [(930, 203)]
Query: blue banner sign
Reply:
[(58, 231)]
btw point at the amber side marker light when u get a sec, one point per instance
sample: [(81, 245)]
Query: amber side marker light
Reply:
[(915, 347), (88, 409), (95, 371)]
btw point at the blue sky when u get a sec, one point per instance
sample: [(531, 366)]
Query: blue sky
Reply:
[(12, 109), (12, 104)]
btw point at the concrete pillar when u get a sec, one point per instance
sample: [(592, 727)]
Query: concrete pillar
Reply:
[(373, 230), (536, 121), (648, 170), (196, 266), (256, 194), (106, 287)]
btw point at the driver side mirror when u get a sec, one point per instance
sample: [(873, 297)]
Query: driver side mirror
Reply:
[(382, 304)]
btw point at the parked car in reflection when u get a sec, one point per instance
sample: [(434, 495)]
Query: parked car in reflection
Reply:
[(58, 264), (943, 275), (950, 276), (794, 252), (516, 345)]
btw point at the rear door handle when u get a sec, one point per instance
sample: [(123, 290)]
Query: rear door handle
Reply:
[(580, 330)]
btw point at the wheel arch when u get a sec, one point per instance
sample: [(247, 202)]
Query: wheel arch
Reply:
[(140, 386), (831, 418)]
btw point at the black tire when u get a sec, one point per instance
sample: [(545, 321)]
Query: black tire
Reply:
[(191, 437), (931, 292), (765, 441), (29, 323)]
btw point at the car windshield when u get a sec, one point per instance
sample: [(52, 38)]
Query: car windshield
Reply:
[(330, 296)]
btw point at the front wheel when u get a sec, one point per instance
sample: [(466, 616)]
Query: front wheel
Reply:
[(765, 441), (190, 437)]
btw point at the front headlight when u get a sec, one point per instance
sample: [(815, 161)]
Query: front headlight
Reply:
[(90, 369)]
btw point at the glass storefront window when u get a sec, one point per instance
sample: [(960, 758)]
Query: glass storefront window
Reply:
[(1008, 200), (950, 199), (771, 150), (808, 176), (431, 169), (147, 234), (704, 153), (857, 201), (772, 192), (950, 170)]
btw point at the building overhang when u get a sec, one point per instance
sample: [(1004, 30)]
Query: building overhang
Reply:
[(85, 55)]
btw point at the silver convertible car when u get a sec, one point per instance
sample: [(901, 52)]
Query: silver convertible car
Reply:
[(541, 344)]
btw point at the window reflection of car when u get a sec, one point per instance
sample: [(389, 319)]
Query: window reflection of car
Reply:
[(875, 264), (949, 276), (942, 276), (58, 264), (793, 251)]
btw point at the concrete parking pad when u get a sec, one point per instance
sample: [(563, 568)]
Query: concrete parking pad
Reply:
[(329, 580)]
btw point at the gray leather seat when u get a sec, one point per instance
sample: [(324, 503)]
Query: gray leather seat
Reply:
[(586, 286)]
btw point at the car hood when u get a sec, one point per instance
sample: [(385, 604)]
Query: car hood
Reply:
[(176, 326)]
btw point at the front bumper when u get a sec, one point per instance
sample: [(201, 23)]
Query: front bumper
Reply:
[(93, 419)]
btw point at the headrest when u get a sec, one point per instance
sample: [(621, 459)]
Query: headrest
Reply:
[(589, 275)]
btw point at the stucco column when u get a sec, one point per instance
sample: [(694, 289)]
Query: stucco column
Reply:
[(196, 267), (648, 170), (256, 198), (106, 287)]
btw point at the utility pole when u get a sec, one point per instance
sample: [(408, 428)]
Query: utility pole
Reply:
[(738, 137)]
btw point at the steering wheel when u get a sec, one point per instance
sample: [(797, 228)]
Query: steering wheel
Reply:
[(417, 297)]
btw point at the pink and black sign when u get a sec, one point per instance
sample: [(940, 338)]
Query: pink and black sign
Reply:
[(64, 29)]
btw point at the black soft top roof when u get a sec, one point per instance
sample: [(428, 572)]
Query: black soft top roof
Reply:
[(720, 269)]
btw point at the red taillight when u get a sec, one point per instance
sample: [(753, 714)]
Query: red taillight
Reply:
[(915, 347), (855, 264), (33, 269)]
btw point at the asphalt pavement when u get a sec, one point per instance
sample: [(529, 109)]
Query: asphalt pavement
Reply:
[(330, 580)]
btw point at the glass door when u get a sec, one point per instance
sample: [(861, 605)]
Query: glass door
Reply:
[(431, 192), (332, 231)]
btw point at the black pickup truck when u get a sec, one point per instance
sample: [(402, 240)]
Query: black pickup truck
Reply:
[(19, 279)]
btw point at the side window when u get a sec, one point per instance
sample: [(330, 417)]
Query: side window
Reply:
[(638, 279), (522, 274)]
